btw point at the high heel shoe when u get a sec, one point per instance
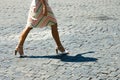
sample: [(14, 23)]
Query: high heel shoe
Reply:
[(19, 49), (59, 52)]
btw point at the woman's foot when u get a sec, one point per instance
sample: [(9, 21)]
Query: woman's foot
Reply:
[(19, 49), (61, 50)]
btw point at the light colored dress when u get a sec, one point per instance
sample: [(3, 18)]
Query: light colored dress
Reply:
[(36, 17)]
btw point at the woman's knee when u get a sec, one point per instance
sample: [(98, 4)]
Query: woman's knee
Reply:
[(28, 27), (54, 26)]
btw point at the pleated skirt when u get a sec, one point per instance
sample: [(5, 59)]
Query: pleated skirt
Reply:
[(37, 19)]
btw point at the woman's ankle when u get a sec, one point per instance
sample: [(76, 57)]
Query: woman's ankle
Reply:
[(61, 48)]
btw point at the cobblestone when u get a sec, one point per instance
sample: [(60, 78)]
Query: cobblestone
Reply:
[(89, 29)]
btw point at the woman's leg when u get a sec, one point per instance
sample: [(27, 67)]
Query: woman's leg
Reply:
[(22, 38), (55, 35)]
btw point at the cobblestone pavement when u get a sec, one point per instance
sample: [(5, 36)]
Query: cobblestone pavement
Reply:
[(89, 29)]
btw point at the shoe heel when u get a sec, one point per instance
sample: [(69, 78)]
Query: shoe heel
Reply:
[(15, 52), (56, 51)]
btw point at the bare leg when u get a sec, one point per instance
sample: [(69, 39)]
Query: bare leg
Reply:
[(55, 35), (22, 38)]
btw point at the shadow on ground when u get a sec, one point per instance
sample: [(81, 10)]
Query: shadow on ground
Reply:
[(68, 58)]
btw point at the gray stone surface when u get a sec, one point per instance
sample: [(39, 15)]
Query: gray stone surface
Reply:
[(89, 29)]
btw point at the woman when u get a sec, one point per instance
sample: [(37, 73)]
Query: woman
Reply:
[(40, 15)]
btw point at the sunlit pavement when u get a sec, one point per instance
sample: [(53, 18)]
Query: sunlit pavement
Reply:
[(89, 30)]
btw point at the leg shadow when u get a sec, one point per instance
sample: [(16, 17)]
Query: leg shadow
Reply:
[(68, 58)]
